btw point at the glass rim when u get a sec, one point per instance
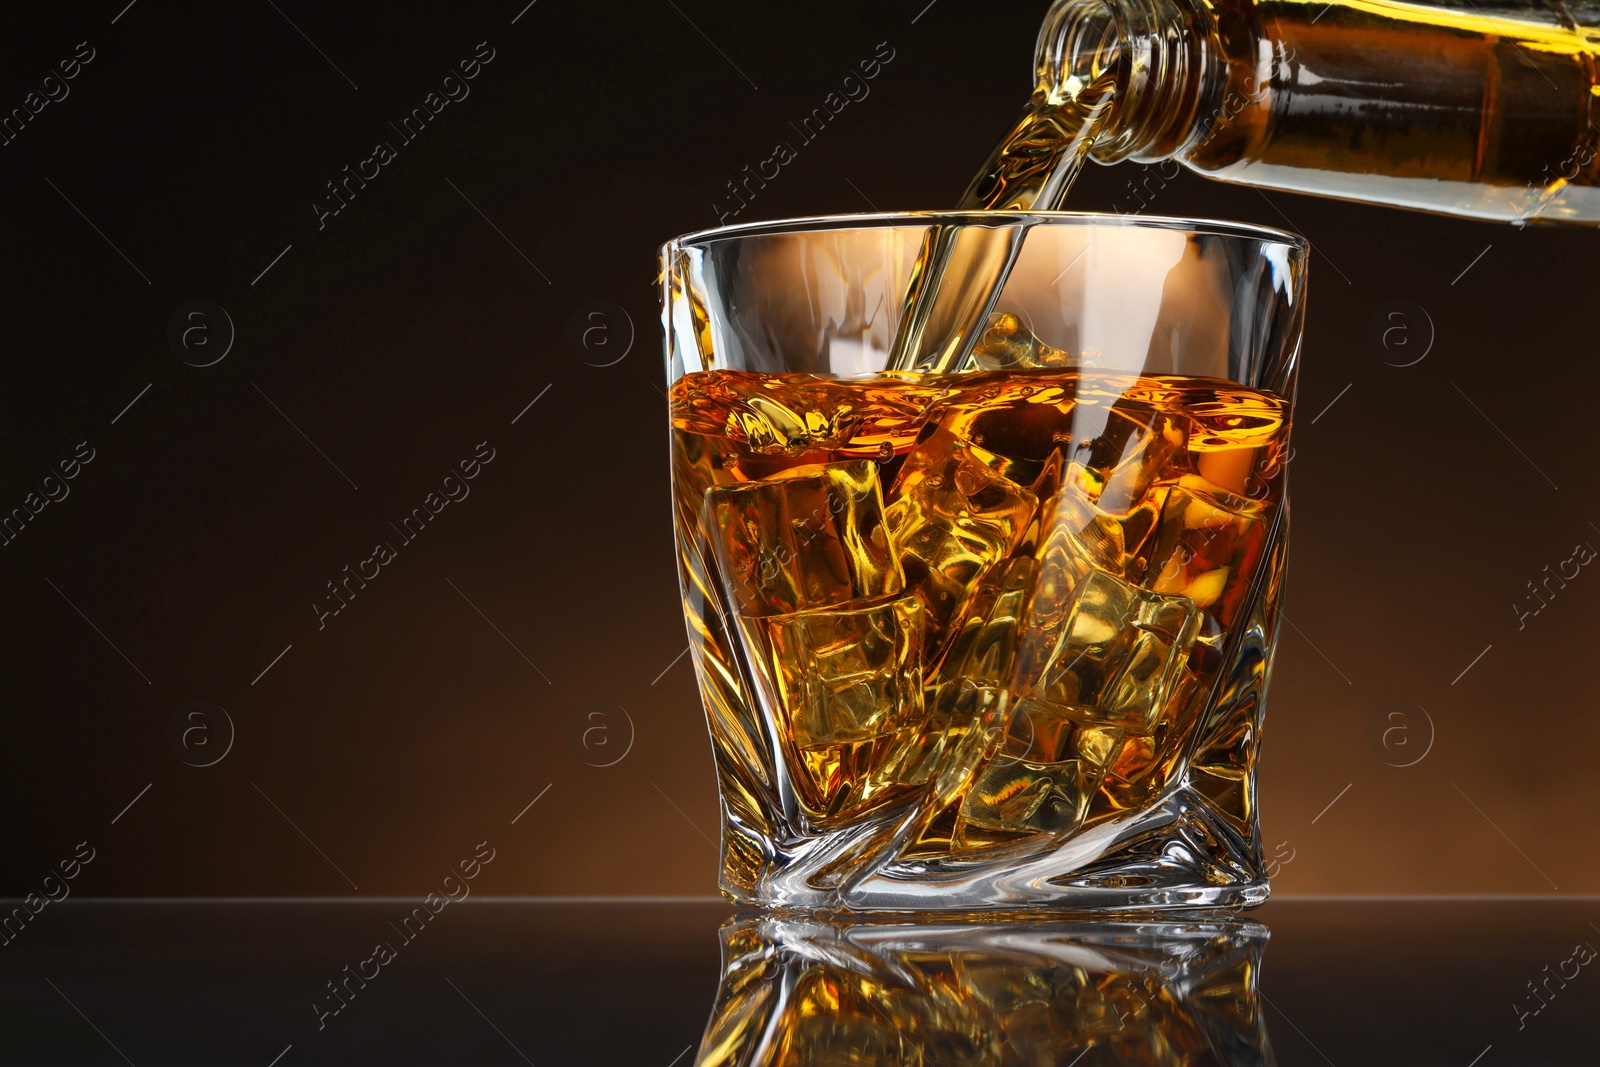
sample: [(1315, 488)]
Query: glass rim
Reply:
[(865, 220)]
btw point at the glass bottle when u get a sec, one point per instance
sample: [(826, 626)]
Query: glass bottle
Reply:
[(1489, 110)]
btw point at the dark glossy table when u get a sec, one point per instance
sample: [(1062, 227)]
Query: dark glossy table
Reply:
[(1345, 982)]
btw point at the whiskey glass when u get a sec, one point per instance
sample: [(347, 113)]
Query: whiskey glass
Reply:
[(993, 636)]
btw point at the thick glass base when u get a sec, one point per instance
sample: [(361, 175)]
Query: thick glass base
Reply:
[(1181, 853)]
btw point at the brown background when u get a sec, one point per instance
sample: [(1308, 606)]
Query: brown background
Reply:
[(379, 750)]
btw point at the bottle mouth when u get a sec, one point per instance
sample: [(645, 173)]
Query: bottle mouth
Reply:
[(1080, 42), (1148, 56)]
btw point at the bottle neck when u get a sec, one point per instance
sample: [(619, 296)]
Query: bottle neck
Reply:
[(1161, 55)]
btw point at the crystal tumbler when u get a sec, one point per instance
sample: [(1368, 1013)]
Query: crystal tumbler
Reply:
[(993, 634)]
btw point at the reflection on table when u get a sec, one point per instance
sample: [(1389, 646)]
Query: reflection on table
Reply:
[(932, 993)]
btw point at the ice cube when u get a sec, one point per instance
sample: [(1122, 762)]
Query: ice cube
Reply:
[(967, 720), (945, 491), (848, 680), (1114, 649), (1137, 446), (984, 647), (849, 673), (953, 517), (1097, 745), (1042, 732), (767, 425), (1009, 344), (774, 415), (1013, 428), (811, 537), (1039, 778), (1013, 798), (1115, 541), (1144, 765), (1208, 546), (758, 425)]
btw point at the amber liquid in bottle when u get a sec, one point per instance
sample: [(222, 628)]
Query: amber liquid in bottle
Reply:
[(1487, 110)]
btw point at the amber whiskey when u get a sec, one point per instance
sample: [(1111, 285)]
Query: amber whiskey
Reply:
[(1000, 599)]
